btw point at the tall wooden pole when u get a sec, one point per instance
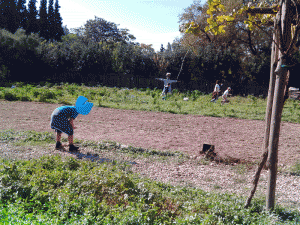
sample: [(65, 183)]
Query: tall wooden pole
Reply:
[(284, 31), (274, 57)]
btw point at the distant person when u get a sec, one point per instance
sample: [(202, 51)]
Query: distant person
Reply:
[(216, 92), (225, 96), (167, 84), (62, 120)]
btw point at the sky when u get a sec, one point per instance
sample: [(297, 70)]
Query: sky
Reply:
[(151, 22)]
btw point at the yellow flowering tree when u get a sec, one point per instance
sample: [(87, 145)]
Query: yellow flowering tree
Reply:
[(284, 15)]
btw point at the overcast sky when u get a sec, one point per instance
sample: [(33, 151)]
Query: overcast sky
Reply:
[(151, 22)]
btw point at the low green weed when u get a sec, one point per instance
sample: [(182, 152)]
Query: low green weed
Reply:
[(71, 190), (295, 170), (26, 136)]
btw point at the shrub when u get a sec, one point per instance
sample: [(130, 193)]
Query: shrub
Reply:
[(20, 84), (47, 95), (71, 89), (175, 91), (36, 93), (59, 93), (153, 94), (148, 91), (102, 92), (10, 96), (25, 98)]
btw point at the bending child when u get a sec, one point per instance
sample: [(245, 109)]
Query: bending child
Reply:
[(225, 96), (62, 120)]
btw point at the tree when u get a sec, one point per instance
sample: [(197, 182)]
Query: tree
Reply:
[(9, 15), (22, 13), (169, 48), (250, 47), (100, 30), (43, 20), (51, 21), (32, 23), (57, 27), (236, 35), (17, 51), (162, 49)]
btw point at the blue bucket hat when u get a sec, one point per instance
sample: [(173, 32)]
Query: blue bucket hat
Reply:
[(83, 106)]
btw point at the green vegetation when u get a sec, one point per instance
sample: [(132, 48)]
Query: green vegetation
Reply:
[(64, 190), (249, 107)]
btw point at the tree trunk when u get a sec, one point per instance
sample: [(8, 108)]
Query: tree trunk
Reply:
[(284, 31), (274, 57)]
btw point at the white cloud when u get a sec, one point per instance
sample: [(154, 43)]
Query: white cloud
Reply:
[(74, 14)]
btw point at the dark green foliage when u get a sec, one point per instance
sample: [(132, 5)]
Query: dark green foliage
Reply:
[(9, 15), (25, 98), (32, 22), (45, 95), (51, 21), (18, 53), (22, 14), (58, 30), (100, 30), (43, 20), (10, 96)]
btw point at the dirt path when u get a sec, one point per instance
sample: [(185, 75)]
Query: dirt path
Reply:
[(163, 131)]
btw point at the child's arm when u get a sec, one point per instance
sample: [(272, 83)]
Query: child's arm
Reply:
[(72, 123)]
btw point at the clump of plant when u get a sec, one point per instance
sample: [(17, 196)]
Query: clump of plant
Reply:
[(10, 96), (46, 95)]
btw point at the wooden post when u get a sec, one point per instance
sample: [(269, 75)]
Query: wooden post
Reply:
[(277, 86), (284, 30), (274, 57)]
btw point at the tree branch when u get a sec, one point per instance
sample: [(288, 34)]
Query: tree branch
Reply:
[(254, 52), (261, 10), (297, 29), (206, 34)]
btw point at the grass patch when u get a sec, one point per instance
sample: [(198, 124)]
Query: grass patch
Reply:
[(52, 190), (249, 107), (295, 170)]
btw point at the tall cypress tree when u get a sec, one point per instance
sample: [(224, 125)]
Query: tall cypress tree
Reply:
[(22, 14), (43, 20), (51, 20), (32, 24), (2, 18), (9, 15), (58, 29)]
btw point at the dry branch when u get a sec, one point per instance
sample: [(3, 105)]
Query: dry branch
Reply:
[(262, 10), (256, 177)]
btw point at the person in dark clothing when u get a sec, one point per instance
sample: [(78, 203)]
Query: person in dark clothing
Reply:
[(62, 120)]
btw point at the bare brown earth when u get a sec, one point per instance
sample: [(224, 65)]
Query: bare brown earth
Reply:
[(232, 137)]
